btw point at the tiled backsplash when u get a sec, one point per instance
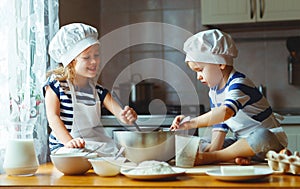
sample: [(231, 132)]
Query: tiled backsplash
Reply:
[(262, 58)]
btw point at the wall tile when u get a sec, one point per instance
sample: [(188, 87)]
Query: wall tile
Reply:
[(115, 6), (251, 61), (262, 55), (113, 68), (144, 5), (179, 4), (148, 64), (145, 16), (265, 62), (181, 18), (113, 20)]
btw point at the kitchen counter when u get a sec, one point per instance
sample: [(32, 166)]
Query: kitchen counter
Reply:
[(290, 120), (166, 120), (48, 176), (144, 120)]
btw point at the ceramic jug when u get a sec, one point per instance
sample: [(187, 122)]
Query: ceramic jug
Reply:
[(20, 157)]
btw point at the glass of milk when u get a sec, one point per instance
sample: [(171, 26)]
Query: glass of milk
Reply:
[(20, 157)]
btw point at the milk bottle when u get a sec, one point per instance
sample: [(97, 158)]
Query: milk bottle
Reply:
[(20, 158)]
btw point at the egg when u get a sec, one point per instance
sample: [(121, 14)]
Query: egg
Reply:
[(286, 152)]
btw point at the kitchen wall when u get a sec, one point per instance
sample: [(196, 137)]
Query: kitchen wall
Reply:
[(262, 52)]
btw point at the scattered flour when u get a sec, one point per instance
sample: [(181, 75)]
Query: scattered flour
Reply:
[(152, 168)]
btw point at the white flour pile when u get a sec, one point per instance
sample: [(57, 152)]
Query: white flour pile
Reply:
[(152, 168)]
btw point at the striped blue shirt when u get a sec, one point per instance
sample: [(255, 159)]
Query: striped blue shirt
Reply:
[(251, 109), (62, 90)]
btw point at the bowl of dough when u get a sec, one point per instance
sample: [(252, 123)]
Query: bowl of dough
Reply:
[(72, 163)]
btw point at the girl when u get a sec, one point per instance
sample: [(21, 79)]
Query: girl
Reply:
[(73, 99)]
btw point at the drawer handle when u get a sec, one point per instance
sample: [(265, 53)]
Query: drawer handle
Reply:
[(261, 8), (252, 9)]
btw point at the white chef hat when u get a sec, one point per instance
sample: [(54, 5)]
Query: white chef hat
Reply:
[(70, 41), (210, 46)]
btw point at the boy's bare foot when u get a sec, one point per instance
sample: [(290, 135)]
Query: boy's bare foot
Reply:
[(242, 161), (203, 158)]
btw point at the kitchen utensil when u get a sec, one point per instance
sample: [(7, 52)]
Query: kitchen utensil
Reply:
[(293, 45), (186, 150), (259, 173), (142, 146), (72, 163), (138, 93), (120, 152), (115, 96), (186, 119), (94, 150), (107, 166), (20, 157)]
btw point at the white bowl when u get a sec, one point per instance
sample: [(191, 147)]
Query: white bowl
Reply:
[(72, 163), (107, 166)]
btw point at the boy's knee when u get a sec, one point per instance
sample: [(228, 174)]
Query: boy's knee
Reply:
[(263, 140)]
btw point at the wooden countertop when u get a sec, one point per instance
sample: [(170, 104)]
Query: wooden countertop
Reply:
[(49, 177)]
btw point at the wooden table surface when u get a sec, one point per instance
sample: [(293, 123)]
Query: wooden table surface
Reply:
[(48, 176)]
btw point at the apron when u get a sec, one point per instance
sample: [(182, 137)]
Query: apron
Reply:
[(87, 125), (277, 130)]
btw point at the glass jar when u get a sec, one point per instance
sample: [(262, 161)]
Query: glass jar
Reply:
[(20, 157)]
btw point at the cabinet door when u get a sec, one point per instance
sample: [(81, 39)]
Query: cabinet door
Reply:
[(248, 11), (292, 132), (277, 10), (227, 11)]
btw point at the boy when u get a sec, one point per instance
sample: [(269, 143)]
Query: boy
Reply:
[(236, 104)]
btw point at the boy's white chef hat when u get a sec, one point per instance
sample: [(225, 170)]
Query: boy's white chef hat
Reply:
[(70, 41), (210, 46)]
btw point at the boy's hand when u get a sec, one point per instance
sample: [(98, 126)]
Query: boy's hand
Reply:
[(180, 122)]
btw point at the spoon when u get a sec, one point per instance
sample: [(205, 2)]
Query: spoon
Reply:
[(120, 103), (120, 152), (93, 150)]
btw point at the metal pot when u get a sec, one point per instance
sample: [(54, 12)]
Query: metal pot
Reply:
[(143, 146), (137, 93)]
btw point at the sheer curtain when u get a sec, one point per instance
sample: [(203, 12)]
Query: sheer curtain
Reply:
[(26, 28)]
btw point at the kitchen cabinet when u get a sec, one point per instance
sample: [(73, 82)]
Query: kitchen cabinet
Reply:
[(215, 12), (291, 125), (292, 132)]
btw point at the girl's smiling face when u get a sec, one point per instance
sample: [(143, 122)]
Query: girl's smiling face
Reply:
[(209, 74), (88, 61)]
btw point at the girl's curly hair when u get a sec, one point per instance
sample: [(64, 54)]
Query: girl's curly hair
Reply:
[(64, 73)]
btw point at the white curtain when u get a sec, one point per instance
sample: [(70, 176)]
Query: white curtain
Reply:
[(26, 28)]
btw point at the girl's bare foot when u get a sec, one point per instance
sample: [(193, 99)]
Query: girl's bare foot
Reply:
[(242, 161)]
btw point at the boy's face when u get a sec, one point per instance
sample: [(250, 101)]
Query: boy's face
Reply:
[(209, 74)]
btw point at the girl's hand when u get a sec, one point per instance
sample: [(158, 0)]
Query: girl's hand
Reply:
[(181, 122), (128, 115), (75, 143)]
